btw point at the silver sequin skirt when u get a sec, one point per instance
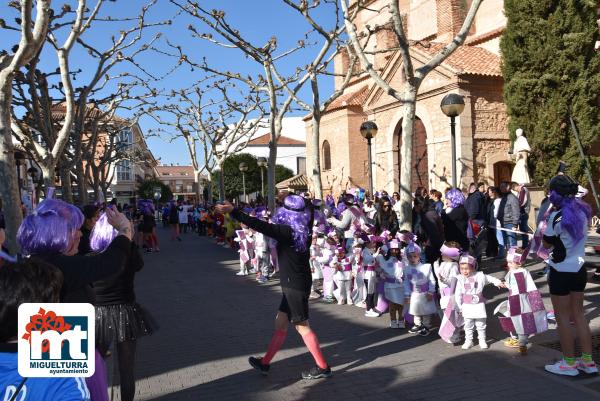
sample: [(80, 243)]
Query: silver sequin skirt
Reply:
[(123, 322)]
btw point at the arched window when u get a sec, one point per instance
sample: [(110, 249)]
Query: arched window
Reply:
[(326, 164)]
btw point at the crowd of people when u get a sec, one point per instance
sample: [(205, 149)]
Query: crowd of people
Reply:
[(359, 255), (355, 251)]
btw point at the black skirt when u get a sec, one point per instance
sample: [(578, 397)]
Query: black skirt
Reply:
[(122, 322)]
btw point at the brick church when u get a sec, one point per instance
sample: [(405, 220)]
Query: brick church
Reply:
[(473, 70)]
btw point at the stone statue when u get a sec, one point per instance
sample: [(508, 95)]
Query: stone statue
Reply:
[(521, 150)]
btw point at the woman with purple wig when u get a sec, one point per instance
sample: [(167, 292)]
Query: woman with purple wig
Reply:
[(455, 218), (566, 234), (52, 234), (119, 317), (291, 228)]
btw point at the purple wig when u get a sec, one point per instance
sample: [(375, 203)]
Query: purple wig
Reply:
[(146, 206), (294, 214), (576, 214), (330, 205), (102, 234), (456, 197), (50, 228)]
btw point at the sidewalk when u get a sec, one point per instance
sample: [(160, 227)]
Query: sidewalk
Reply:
[(212, 321)]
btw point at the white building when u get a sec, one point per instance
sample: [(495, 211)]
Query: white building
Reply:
[(291, 148)]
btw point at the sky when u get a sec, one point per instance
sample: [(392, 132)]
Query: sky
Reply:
[(257, 20)]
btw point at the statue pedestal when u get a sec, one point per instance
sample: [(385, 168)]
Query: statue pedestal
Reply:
[(537, 195)]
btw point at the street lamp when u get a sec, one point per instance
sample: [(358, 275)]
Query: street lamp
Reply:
[(243, 168), (157, 196), (452, 105), (368, 130), (33, 172), (18, 157), (262, 162)]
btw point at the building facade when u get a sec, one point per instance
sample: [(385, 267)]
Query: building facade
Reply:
[(291, 148), (129, 172), (181, 181), (473, 71)]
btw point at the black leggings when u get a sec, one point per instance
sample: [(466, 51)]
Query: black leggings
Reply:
[(126, 356), (370, 297)]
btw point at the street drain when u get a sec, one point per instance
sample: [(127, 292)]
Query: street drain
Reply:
[(595, 347)]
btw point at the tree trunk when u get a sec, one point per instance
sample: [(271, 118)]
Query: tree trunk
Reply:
[(65, 183), (408, 124), (221, 181), (81, 183), (210, 191), (9, 192), (275, 129), (316, 138)]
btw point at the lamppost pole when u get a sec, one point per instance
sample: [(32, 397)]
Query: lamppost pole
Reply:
[(370, 166), (243, 168), (368, 130), (453, 145), (262, 162), (452, 105)]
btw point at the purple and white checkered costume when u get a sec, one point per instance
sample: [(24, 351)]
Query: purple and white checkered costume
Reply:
[(524, 311)]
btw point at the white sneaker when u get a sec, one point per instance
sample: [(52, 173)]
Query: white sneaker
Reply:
[(241, 274), (483, 344), (361, 304), (562, 368), (587, 367), (468, 344), (371, 313), (393, 324), (401, 324), (350, 302)]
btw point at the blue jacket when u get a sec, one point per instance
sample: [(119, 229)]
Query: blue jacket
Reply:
[(36, 389)]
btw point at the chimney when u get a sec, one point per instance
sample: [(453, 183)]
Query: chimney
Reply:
[(450, 17)]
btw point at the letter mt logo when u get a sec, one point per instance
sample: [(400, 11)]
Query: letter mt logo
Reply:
[(56, 340)]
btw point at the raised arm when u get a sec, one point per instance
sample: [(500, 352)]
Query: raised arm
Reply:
[(279, 232)]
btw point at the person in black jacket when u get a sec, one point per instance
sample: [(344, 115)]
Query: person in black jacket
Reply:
[(119, 318), (385, 218), (430, 230), (455, 218), (291, 230)]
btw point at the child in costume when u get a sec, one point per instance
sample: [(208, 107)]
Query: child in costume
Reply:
[(470, 300), (419, 290), (342, 264), (362, 256), (392, 273), (318, 242), (524, 312), (446, 271), (370, 274), (325, 260), (246, 242)]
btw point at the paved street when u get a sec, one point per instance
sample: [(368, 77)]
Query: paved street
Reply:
[(212, 320)]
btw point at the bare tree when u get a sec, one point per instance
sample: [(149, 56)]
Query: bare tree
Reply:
[(32, 37), (331, 39), (47, 151), (124, 48), (413, 78), (218, 119), (281, 91)]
